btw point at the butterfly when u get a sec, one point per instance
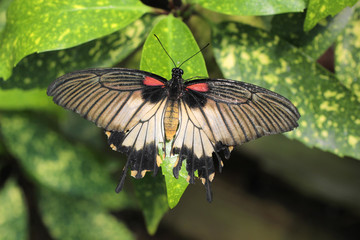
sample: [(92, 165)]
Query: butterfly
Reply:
[(203, 118)]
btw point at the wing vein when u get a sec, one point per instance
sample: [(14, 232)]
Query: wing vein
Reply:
[(83, 89), (106, 107), (83, 96), (251, 122), (118, 110), (238, 121), (226, 124), (92, 105), (267, 115)]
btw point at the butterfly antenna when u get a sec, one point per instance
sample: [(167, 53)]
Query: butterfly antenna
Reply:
[(164, 49), (195, 54)]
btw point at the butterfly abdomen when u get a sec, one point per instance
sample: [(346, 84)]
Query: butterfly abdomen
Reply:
[(171, 119)]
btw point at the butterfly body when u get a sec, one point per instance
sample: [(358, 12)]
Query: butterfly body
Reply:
[(171, 117), (140, 111)]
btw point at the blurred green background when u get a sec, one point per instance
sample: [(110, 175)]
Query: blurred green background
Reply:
[(58, 175)]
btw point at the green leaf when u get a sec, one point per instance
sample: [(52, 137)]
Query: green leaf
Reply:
[(315, 42), (4, 4), (38, 26), (56, 163), (253, 7), (18, 99), (329, 112), (174, 187), (69, 217), (2, 150), (39, 70), (347, 54), (151, 194), (13, 217), (319, 9), (180, 44)]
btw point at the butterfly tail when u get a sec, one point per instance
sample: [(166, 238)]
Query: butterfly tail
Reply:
[(122, 178), (208, 190)]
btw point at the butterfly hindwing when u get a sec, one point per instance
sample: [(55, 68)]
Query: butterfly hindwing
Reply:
[(140, 143), (192, 143)]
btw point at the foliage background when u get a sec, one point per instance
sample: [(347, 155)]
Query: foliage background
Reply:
[(57, 175)]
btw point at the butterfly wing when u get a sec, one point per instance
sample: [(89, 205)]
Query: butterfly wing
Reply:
[(219, 114), (114, 98), (234, 112), (192, 143), (128, 104)]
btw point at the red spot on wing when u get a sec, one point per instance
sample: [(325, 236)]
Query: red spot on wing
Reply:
[(149, 81), (199, 87)]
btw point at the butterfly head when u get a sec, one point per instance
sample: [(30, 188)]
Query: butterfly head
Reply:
[(177, 72), (176, 83)]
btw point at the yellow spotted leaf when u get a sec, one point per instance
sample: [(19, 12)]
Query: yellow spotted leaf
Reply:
[(38, 25), (13, 209), (88, 220), (252, 7), (26, 87), (319, 9), (329, 111), (316, 41), (56, 163), (347, 54)]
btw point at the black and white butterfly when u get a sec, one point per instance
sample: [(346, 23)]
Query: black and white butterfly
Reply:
[(202, 117)]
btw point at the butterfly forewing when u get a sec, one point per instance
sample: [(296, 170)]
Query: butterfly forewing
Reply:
[(234, 112), (115, 99)]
